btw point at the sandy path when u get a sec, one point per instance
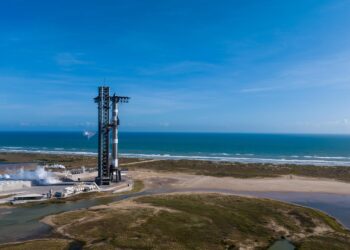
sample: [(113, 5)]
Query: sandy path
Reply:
[(178, 182), (139, 162)]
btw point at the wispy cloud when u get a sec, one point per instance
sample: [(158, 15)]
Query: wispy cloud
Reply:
[(330, 126), (321, 72), (178, 68), (67, 59), (261, 89)]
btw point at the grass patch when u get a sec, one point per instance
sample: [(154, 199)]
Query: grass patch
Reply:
[(138, 186), (198, 221), (68, 217), (39, 244), (330, 221), (325, 243), (69, 161), (210, 168), (244, 170)]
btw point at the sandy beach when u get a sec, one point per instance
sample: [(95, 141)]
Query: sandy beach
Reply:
[(290, 183)]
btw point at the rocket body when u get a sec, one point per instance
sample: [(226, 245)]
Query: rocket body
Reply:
[(115, 134), (108, 166)]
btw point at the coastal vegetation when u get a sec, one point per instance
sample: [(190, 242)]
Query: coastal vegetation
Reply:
[(198, 167), (244, 170), (68, 160), (188, 221), (40, 244), (199, 221)]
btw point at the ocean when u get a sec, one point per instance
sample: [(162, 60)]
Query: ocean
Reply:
[(234, 147)]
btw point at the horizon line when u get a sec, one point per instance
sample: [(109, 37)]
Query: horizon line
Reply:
[(179, 132)]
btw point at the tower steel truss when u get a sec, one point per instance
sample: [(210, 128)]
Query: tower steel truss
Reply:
[(106, 168)]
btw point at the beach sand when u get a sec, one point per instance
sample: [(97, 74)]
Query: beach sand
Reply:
[(290, 183)]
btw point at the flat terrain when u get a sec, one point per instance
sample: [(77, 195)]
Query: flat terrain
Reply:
[(69, 161), (208, 168), (52, 244), (178, 182), (190, 175), (196, 215), (242, 170), (198, 221)]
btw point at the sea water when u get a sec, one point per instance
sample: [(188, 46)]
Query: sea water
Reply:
[(259, 148)]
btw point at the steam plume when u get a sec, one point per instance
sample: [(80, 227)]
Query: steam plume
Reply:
[(39, 174)]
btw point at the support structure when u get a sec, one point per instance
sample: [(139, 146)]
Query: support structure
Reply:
[(102, 101), (108, 169)]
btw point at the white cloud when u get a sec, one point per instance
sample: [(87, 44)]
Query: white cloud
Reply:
[(68, 59), (261, 89), (184, 67), (322, 72)]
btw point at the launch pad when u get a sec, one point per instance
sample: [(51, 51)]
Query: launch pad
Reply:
[(108, 170)]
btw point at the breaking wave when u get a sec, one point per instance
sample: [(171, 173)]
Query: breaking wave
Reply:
[(234, 157)]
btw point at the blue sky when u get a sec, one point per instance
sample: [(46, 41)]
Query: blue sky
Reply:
[(226, 65)]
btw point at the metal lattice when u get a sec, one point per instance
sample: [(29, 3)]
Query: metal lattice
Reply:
[(103, 136), (106, 168)]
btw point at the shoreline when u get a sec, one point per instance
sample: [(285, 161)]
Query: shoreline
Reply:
[(164, 182), (131, 204), (237, 158), (58, 231), (194, 167)]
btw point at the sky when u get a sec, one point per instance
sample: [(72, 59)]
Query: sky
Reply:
[(188, 65)]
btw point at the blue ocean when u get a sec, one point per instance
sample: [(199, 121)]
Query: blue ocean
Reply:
[(259, 148)]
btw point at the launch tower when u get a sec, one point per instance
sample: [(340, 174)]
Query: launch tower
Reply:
[(108, 170)]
